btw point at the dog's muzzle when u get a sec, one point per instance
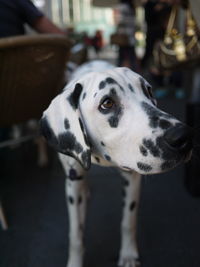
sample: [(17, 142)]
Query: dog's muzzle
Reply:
[(179, 139)]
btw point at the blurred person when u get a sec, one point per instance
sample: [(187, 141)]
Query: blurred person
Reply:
[(192, 82), (156, 16), (97, 41), (194, 4), (87, 40), (126, 25), (14, 14)]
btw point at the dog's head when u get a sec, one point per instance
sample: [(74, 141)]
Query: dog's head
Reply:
[(113, 116)]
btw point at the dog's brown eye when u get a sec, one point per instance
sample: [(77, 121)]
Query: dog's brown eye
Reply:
[(107, 103)]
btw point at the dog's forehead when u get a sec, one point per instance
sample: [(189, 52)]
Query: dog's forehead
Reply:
[(120, 77)]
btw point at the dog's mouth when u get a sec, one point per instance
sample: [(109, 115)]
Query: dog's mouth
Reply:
[(165, 166)]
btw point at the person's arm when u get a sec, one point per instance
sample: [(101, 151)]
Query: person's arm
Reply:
[(44, 25), (36, 19)]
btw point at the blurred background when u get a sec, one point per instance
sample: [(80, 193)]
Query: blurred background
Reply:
[(41, 43)]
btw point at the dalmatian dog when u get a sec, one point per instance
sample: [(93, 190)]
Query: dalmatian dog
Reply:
[(108, 116)]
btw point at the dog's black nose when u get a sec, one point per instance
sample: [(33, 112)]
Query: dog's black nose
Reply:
[(179, 138)]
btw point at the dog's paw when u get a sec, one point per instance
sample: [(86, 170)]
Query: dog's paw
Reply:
[(75, 256), (129, 261), (129, 257), (75, 262)]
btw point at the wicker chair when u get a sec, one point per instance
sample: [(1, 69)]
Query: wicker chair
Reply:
[(32, 72)]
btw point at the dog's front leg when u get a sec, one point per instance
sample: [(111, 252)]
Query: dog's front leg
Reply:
[(129, 256), (76, 196), (76, 202)]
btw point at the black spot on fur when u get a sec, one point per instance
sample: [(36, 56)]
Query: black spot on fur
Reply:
[(151, 147), (154, 122), (143, 151), (67, 142), (80, 199), (74, 97), (95, 94), (102, 85), (47, 132), (84, 95), (72, 174), (66, 123), (102, 143), (77, 178), (154, 115), (125, 182), (131, 88), (112, 92), (107, 157), (113, 121), (81, 124), (132, 206), (86, 158), (121, 88), (97, 159), (144, 88), (144, 167), (71, 200), (164, 124), (110, 80), (84, 133)]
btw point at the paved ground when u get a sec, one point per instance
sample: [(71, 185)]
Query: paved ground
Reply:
[(33, 198)]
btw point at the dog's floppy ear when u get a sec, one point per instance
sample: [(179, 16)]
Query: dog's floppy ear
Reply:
[(63, 128)]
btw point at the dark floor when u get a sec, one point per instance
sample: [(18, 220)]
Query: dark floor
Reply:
[(34, 202)]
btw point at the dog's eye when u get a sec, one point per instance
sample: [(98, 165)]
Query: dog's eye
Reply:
[(107, 104)]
